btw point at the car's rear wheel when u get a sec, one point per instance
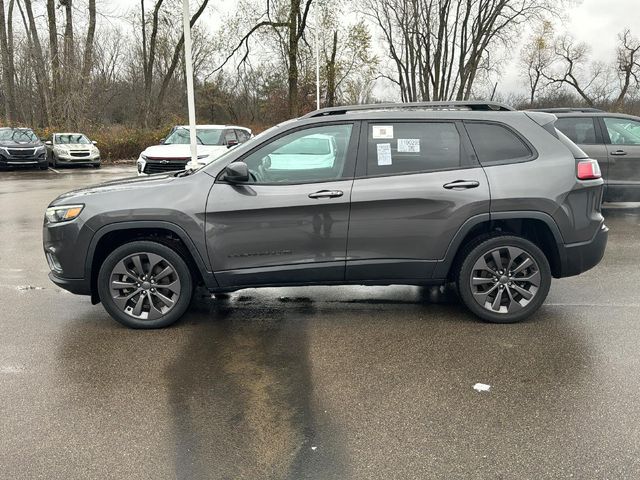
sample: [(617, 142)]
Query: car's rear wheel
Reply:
[(145, 284), (504, 279)]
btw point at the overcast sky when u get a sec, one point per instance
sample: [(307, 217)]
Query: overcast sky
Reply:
[(596, 22)]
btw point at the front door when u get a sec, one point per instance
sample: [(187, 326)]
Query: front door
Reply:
[(623, 142), (289, 223), (417, 184)]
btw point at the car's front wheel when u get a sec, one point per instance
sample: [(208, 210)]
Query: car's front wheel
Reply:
[(145, 284), (504, 279)]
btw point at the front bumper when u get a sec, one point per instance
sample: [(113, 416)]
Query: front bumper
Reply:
[(23, 161), (79, 286), (71, 160), (577, 258)]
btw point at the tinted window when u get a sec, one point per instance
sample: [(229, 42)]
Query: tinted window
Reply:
[(495, 143), (230, 135), (243, 135), (310, 155), (623, 131), (204, 136), (580, 130), (71, 138), (395, 148)]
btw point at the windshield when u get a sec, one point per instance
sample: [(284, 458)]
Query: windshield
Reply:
[(71, 138), (205, 136), (22, 135)]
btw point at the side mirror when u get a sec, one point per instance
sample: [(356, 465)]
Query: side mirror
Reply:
[(232, 143), (236, 172), (94, 142), (162, 141), (48, 143)]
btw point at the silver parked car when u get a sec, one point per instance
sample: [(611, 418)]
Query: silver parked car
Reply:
[(72, 149)]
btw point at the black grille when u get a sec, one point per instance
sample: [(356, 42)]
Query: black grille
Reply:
[(79, 154), (23, 152), (164, 166)]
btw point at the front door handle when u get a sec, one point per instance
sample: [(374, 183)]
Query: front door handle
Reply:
[(461, 185), (326, 194), (619, 153)]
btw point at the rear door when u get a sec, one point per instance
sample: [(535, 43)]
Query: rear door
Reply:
[(586, 132), (416, 184), (622, 137), (289, 223)]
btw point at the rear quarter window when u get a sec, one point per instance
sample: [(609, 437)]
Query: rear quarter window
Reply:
[(496, 144), (580, 130)]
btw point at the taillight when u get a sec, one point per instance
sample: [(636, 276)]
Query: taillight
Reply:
[(589, 170)]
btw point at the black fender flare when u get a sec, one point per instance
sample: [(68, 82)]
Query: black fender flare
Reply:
[(444, 265), (207, 275)]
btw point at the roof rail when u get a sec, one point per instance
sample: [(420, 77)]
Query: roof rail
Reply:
[(566, 110), (453, 105)]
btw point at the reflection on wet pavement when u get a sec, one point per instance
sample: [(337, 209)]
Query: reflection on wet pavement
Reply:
[(315, 383)]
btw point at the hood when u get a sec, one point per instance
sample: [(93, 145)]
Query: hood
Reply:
[(183, 151), (76, 146), (122, 184), (13, 144)]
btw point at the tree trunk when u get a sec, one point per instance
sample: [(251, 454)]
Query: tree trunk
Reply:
[(87, 61), (7, 72), (293, 100), (55, 53), (331, 72), (38, 56)]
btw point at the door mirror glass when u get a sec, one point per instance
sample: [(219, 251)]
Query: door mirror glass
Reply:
[(236, 172), (232, 143)]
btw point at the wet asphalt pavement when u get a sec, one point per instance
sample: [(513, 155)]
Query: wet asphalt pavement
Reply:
[(318, 383)]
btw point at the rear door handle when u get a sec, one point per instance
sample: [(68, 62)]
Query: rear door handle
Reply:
[(461, 185), (326, 194), (619, 153)]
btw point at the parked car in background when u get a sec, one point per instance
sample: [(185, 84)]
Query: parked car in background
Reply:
[(72, 149), (611, 138), (493, 200), (21, 147), (174, 151)]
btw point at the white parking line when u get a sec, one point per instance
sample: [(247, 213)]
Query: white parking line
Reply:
[(53, 169)]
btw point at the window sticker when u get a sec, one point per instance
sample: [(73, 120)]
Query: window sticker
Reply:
[(382, 131), (384, 153), (409, 145)]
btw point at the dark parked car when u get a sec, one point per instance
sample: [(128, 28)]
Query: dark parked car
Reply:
[(497, 201), (611, 138), (21, 147)]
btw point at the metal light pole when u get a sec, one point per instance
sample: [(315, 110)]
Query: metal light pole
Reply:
[(191, 102)]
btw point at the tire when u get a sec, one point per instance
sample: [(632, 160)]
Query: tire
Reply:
[(136, 301), (54, 161), (96, 165), (479, 280), (43, 167)]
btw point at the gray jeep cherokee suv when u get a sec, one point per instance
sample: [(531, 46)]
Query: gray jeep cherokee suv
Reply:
[(495, 200)]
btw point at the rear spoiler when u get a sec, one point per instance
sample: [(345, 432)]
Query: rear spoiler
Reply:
[(545, 120)]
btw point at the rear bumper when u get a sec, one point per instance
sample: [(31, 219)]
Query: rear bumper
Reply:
[(579, 257), (79, 286)]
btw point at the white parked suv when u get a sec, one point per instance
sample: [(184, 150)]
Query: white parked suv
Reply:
[(174, 152)]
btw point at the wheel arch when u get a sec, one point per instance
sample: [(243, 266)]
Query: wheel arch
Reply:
[(538, 227), (112, 236)]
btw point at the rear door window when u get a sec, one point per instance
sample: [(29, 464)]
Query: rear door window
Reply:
[(622, 131), (397, 148), (580, 130), (495, 143)]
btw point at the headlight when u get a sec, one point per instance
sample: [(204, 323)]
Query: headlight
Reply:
[(40, 149), (144, 157), (202, 157), (63, 213)]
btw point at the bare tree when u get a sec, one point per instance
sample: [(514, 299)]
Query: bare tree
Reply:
[(537, 56), (6, 55), (292, 18), (439, 46), (628, 65)]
